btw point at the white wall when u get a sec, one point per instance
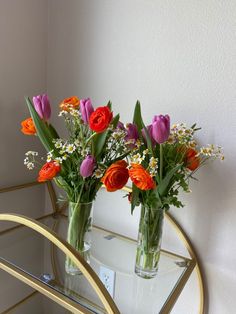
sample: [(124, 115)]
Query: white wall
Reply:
[(176, 57), (23, 42)]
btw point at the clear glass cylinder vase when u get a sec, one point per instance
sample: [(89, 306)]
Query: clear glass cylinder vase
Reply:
[(149, 241), (79, 233)]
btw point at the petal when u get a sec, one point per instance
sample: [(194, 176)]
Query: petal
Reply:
[(38, 105)]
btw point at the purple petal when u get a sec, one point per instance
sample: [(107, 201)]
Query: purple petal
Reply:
[(132, 132), (86, 109), (161, 128), (120, 126), (46, 107), (42, 106), (149, 129), (38, 105), (87, 166)]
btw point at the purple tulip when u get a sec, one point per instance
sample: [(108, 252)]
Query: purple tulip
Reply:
[(132, 132), (42, 106), (149, 129), (161, 128), (86, 109), (87, 166), (120, 126)]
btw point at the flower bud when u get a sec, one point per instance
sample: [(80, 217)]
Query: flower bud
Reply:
[(161, 128), (149, 130), (87, 166), (132, 132), (42, 106), (120, 126), (192, 160), (86, 109)]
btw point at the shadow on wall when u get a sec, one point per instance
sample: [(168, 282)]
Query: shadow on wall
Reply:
[(207, 214)]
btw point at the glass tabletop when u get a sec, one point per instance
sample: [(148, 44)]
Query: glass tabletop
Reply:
[(110, 251)]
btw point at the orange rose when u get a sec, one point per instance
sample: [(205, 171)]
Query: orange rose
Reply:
[(28, 127), (68, 103), (141, 178), (49, 171), (116, 176), (192, 161)]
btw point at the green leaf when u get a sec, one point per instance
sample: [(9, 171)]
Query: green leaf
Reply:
[(135, 198), (53, 132), (165, 182), (98, 142), (148, 139), (41, 127), (115, 120), (120, 157), (137, 118), (154, 199), (109, 105)]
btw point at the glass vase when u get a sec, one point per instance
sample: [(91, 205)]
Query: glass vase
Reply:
[(149, 241), (79, 233)]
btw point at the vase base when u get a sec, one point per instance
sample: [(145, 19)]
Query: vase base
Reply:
[(144, 273), (73, 271), (71, 268)]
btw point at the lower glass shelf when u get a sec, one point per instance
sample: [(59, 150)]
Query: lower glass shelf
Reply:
[(113, 252)]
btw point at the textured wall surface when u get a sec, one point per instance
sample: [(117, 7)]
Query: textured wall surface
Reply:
[(176, 57)]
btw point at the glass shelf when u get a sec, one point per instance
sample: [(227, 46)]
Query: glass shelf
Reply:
[(132, 294)]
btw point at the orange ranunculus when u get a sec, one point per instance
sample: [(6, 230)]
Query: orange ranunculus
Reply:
[(192, 161), (68, 103), (28, 127), (49, 171), (116, 176), (100, 119), (141, 177)]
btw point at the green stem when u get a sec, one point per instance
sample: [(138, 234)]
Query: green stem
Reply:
[(79, 224), (81, 192), (150, 232), (161, 161), (89, 139)]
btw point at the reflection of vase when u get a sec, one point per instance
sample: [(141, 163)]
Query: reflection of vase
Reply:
[(79, 233), (149, 241)]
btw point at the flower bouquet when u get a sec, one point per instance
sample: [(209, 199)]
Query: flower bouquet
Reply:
[(97, 143), (163, 162)]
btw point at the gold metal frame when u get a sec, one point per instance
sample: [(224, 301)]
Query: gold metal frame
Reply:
[(192, 252), (91, 276), (86, 270)]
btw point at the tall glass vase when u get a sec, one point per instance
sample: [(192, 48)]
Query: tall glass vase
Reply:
[(79, 233), (149, 241)]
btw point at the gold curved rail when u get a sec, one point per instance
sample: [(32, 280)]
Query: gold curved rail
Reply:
[(189, 246), (87, 271)]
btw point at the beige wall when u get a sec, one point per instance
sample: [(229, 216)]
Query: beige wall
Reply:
[(23, 33), (177, 57)]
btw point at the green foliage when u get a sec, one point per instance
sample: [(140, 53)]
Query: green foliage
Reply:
[(109, 105), (115, 121), (172, 175), (135, 200), (137, 119), (166, 182), (98, 142)]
